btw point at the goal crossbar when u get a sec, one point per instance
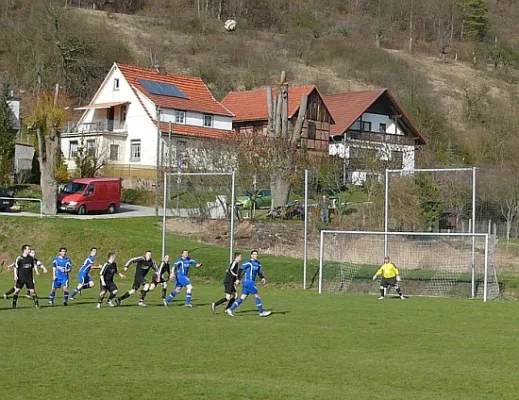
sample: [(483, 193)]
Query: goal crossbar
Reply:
[(484, 236)]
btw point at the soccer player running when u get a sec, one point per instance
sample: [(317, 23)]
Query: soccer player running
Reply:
[(250, 269), (162, 277), (85, 281), (23, 267), (182, 266), (32, 253), (231, 278), (390, 277), (106, 278), (144, 264), (61, 267)]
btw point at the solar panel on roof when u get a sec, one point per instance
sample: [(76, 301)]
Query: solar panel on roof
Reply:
[(162, 89)]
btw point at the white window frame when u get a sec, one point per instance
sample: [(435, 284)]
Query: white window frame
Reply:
[(70, 151), (90, 147), (133, 154), (212, 120), (180, 117), (117, 147), (116, 84)]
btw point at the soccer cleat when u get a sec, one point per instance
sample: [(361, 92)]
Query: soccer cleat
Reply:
[(402, 297), (265, 313), (213, 307), (117, 301), (28, 296), (65, 304), (71, 298), (110, 304), (189, 305), (98, 305), (4, 297), (36, 306), (381, 298), (164, 302), (51, 302), (142, 304), (229, 313)]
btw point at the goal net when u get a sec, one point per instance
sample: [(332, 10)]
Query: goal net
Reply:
[(430, 264)]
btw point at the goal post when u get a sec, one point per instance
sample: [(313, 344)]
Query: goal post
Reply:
[(228, 208), (430, 264)]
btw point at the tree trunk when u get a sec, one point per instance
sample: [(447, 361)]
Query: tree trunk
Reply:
[(49, 160), (280, 186)]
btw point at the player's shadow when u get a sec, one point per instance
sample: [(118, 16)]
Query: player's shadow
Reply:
[(247, 313)]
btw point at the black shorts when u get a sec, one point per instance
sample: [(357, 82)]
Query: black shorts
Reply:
[(27, 282), (138, 282), (109, 287), (388, 282), (229, 287)]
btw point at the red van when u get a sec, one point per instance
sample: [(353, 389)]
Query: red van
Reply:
[(91, 194)]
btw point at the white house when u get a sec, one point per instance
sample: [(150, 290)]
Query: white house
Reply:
[(122, 121), (371, 128)]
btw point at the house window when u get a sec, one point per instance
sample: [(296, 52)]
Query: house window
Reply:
[(116, 84), (365, 126), (135, 151), (73, 149), (91, 147), (311, 130), (180, 117), (114, 152), (122, 116), (208, 121), (181, 152), (397, 159), (382, 128)]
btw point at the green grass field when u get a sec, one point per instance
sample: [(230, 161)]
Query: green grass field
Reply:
[(338, 346), (332, 346)]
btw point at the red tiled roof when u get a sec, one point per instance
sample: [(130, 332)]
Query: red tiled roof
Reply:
[(252, 105), (189, 130), (199, 98), (346, 108)]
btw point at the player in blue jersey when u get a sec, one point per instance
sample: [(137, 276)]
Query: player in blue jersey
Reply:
[(248, 272), (61, 267), (84, 279), (181, 268)]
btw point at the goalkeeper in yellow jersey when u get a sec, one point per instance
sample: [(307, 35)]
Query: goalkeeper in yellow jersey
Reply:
[(390, 277)]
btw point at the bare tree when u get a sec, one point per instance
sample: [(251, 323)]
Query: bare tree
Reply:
[(283, 144), (48, 116)]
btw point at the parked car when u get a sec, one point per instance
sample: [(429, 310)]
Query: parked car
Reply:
[(262, 198), (6, 203), (91, 194)]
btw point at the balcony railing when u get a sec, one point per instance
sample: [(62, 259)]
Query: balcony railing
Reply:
[(379, 137), (101, 126)]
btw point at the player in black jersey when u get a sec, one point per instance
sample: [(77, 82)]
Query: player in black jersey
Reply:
[(144, 264), (23, 267), (231, 278), (107, 284), (162, 277), (32, 253)]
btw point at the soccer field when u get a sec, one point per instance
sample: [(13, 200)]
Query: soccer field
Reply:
[(313, 347)]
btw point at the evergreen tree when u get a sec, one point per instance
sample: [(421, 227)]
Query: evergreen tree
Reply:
[(475, 18), (7, 136)]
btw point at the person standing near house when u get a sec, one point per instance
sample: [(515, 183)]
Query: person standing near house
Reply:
[(324, 208)]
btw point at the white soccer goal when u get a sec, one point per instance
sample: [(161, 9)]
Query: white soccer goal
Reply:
[(208, 195), (430, 264)]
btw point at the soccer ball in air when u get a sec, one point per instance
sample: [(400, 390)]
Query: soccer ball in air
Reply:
[(230, 25)]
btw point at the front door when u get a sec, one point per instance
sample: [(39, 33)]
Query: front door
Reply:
[(111, 116)]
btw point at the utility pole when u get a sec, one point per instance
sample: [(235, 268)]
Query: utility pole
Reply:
[(157, 172)]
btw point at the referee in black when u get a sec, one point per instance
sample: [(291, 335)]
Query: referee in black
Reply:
[(23, 275), (231, 278), (144, 264)]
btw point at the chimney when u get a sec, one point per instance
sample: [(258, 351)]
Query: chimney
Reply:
[(161, 69)]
